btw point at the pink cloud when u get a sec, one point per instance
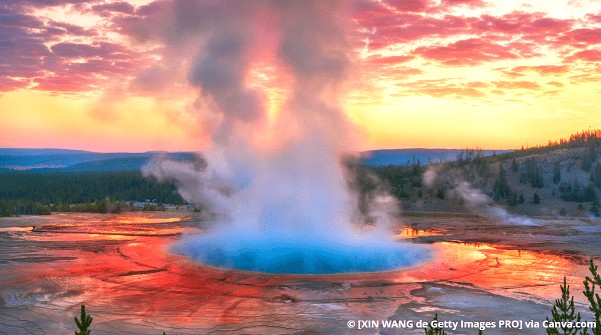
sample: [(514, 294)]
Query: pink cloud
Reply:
[(427, 6), (441, 89), (409, 5), (528, 24), (459, 92), (585, 36), (528, 85), (477, 84), (590, 55), (464, 2), (24, 41), (473, 51), (385, 27), (388, 60), (404, 28), (555, 83), (446, 5), (543, 69), (9, 84), (594, 18), (65, 83), (120, 7), (448, 91)]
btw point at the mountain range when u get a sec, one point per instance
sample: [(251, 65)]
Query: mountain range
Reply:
[(64, 160)]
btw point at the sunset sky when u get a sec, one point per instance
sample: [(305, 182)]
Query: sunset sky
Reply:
[(115, 75)]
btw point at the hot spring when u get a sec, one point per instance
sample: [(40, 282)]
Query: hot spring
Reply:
[(284, 214), (272, 184), (296, 255)]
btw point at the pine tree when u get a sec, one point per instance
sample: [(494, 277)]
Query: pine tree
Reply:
[(514, 166), (589, 158), (596, 175), (532, 174), (536, 198), (590, 194), (563, 311), (590, 284), (513, 199), (435, 330), (556, 173), (501, 188), (84, 323)]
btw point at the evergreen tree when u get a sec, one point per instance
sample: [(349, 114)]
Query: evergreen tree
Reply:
[(596, 175), (501, 189), (536, 198), (589, 158), (514, 166), (590, 284), (590, 194), (532, 174), (435, 330), (83, 323), (574, 191), (513, 199), (440, 193), (556, 173), (564, 311)]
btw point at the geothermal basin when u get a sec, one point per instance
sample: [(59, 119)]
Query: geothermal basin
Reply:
[(124, 269)]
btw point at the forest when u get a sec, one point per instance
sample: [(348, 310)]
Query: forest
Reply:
[(567, 170), (42, 193)]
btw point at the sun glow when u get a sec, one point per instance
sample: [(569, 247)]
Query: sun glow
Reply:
[(449, 75)]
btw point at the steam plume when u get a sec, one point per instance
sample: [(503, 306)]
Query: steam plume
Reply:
[(475, 200), (287, 205)]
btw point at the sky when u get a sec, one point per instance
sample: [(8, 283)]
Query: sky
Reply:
[(119, 75)]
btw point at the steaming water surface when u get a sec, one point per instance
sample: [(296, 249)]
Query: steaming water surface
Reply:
[(288, 255)]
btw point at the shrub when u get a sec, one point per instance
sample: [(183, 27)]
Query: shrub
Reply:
[(83, 323)]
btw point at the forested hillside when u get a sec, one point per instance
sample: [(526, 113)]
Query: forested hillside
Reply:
[(561, 178)]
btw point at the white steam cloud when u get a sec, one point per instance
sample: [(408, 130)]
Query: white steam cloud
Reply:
[(476, 201), (285, 206)]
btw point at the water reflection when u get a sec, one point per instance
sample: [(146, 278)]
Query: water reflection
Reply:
[(410, 232), (499, 269), (121, 265)]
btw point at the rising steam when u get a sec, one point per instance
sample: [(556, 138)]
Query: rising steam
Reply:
[(282, 204), (474, 199)]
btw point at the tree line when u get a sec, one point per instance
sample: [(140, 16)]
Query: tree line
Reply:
[(102, 192)]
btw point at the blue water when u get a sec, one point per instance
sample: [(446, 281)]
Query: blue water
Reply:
[(288, 255)]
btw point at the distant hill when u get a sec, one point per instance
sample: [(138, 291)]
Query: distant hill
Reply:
[(410, 156), (63, 160)]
